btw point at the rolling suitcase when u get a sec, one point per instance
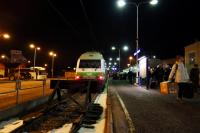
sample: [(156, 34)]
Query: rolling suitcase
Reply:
[(167, 87), (188, 91), (164, 87)]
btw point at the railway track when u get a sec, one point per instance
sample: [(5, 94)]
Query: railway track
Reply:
[(57, 113)]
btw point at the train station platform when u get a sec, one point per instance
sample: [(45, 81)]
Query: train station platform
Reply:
[(149, 111), (134, 109)]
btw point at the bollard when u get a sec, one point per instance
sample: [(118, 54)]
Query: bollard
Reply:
[(18, 87), (44, 86)]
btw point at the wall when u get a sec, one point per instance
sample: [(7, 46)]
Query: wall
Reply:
[(192, 55)]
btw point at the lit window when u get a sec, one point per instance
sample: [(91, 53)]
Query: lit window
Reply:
[(191, 58)]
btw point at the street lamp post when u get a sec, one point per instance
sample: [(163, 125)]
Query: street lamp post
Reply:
[(6, 60), (119, 60), (35, 54), (122, 3), (3, 56), (125, 48), (5, 35), (52, 64)]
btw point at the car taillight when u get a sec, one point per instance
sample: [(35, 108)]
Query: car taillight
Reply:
[(77, 77), (101, 78)]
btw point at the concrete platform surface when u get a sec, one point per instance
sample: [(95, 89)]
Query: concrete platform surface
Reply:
[(153, 112)]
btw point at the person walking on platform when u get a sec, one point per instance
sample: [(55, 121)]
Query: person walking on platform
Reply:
[(159, 73), (194, 77), (130, 77), (148, 78), (166, 72), (179, 72)]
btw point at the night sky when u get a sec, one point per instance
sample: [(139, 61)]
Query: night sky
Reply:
[(70, 29)]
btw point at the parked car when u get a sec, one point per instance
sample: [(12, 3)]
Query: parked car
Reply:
[(21, 74)]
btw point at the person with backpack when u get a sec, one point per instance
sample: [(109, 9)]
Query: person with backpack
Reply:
[(180, 74)]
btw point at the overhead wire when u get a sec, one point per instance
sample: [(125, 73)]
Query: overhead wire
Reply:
[(91, 31), (63, 18)]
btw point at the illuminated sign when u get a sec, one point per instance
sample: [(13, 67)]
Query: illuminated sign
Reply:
[(137, 52), (143, 66)]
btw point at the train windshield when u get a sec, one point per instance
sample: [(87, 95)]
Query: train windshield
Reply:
[(90, 64)]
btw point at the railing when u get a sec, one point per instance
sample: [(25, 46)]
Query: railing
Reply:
[(15, 92)]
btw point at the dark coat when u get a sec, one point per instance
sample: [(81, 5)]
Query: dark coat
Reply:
[(194, 75)]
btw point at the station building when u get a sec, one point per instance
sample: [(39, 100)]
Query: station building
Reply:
[(192, 55)]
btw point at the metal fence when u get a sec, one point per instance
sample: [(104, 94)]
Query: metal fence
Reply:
[(15, 92)]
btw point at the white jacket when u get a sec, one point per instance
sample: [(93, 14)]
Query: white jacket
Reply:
[(181, 73)]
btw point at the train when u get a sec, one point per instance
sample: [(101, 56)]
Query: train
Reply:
[(91, 66)]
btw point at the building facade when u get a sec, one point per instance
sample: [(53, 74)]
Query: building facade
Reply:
[(192, 55), (2, 70)]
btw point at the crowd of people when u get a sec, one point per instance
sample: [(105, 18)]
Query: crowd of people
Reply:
[(178, 74), (157, 75), (164, 72)]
